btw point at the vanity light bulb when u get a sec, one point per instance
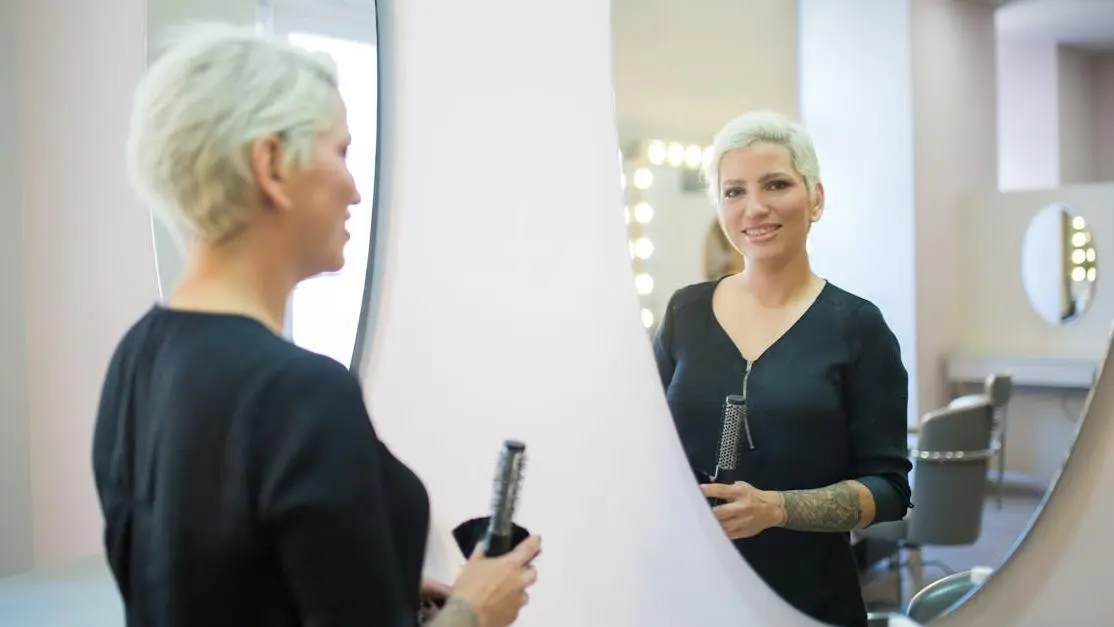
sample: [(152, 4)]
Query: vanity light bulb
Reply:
[(693, 156), (643, 178), (1078, 274), (1091, 255), (656, 152), (1091, 273), (647, 318), (1078, 223), (1078, 256), (643, 248), (643, 213), (676, 155), (643, 284), (622, 181), (1079, 239)]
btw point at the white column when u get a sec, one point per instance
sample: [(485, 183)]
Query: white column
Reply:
[(857, 102), (955, 112)]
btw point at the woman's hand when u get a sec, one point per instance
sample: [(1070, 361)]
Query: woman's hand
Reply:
[(495, 588), (748, 510)]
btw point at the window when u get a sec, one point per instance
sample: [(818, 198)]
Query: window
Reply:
[(324, 311)]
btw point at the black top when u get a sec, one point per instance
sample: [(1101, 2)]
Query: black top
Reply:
[(242, 483), (827, 402)]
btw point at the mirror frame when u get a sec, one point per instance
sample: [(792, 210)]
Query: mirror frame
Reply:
[(368, 300)]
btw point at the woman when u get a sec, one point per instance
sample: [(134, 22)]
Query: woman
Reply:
[(823, 445), (241, 480)]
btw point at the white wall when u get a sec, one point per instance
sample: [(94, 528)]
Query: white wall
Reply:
[(1028, 115), (682, 70), (1056, 114), (15, 438), (955, 111), (1078, 116), (856, 89), (1104, 116), (87, 261), (87, 255), (999, 320)]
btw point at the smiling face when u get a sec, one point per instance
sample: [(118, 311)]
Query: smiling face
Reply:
[(764, 204)]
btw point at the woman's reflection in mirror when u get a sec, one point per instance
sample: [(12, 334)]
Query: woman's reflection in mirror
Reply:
[(826, 393)]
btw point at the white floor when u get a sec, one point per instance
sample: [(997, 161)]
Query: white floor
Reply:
[(78, 594)]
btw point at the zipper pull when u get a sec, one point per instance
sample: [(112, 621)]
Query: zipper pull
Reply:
[(746, 408)]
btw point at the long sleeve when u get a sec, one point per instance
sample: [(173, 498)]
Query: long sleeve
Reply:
[(877, 397), (322, 503)]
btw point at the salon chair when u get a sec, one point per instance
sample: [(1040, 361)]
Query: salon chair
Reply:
[(938, 597), (949, 481), (998, 389)]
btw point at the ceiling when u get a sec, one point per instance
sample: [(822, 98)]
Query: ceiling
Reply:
[(682, 69), (1081, 23)]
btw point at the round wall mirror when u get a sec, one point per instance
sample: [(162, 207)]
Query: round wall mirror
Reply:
[(1058, 264)]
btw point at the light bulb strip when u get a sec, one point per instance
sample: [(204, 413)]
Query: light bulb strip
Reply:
[(674, 154), (636, 227)]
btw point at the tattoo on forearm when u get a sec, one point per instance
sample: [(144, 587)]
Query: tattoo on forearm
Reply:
[(835, 508), (456, 613)]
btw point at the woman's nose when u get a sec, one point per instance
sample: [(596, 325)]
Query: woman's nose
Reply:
[(755, 206)]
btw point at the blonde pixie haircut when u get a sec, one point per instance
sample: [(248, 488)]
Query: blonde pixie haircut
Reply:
[(764, 127), (199, 108)]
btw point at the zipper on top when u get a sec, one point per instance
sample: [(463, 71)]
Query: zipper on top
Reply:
[(746, 408)]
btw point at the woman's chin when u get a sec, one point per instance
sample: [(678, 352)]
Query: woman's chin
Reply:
[(338, 264)]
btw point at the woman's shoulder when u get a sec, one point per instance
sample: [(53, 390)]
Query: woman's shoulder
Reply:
[(850, 306), (693, 293), (860, 320)]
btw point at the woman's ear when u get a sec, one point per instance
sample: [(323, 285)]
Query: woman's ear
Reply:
[(267, 166), (818, 202)]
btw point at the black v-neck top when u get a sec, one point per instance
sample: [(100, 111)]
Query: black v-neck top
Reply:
[(827, 402), (242, 483)]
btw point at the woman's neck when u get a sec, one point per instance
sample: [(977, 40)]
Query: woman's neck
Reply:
[(242, 277), (775, 284)]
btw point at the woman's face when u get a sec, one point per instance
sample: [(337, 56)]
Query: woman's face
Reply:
[(764, 205), (316, 198)]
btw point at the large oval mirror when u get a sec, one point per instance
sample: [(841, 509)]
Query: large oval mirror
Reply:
[(1059, 264), (325, 313), (797, 432)]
